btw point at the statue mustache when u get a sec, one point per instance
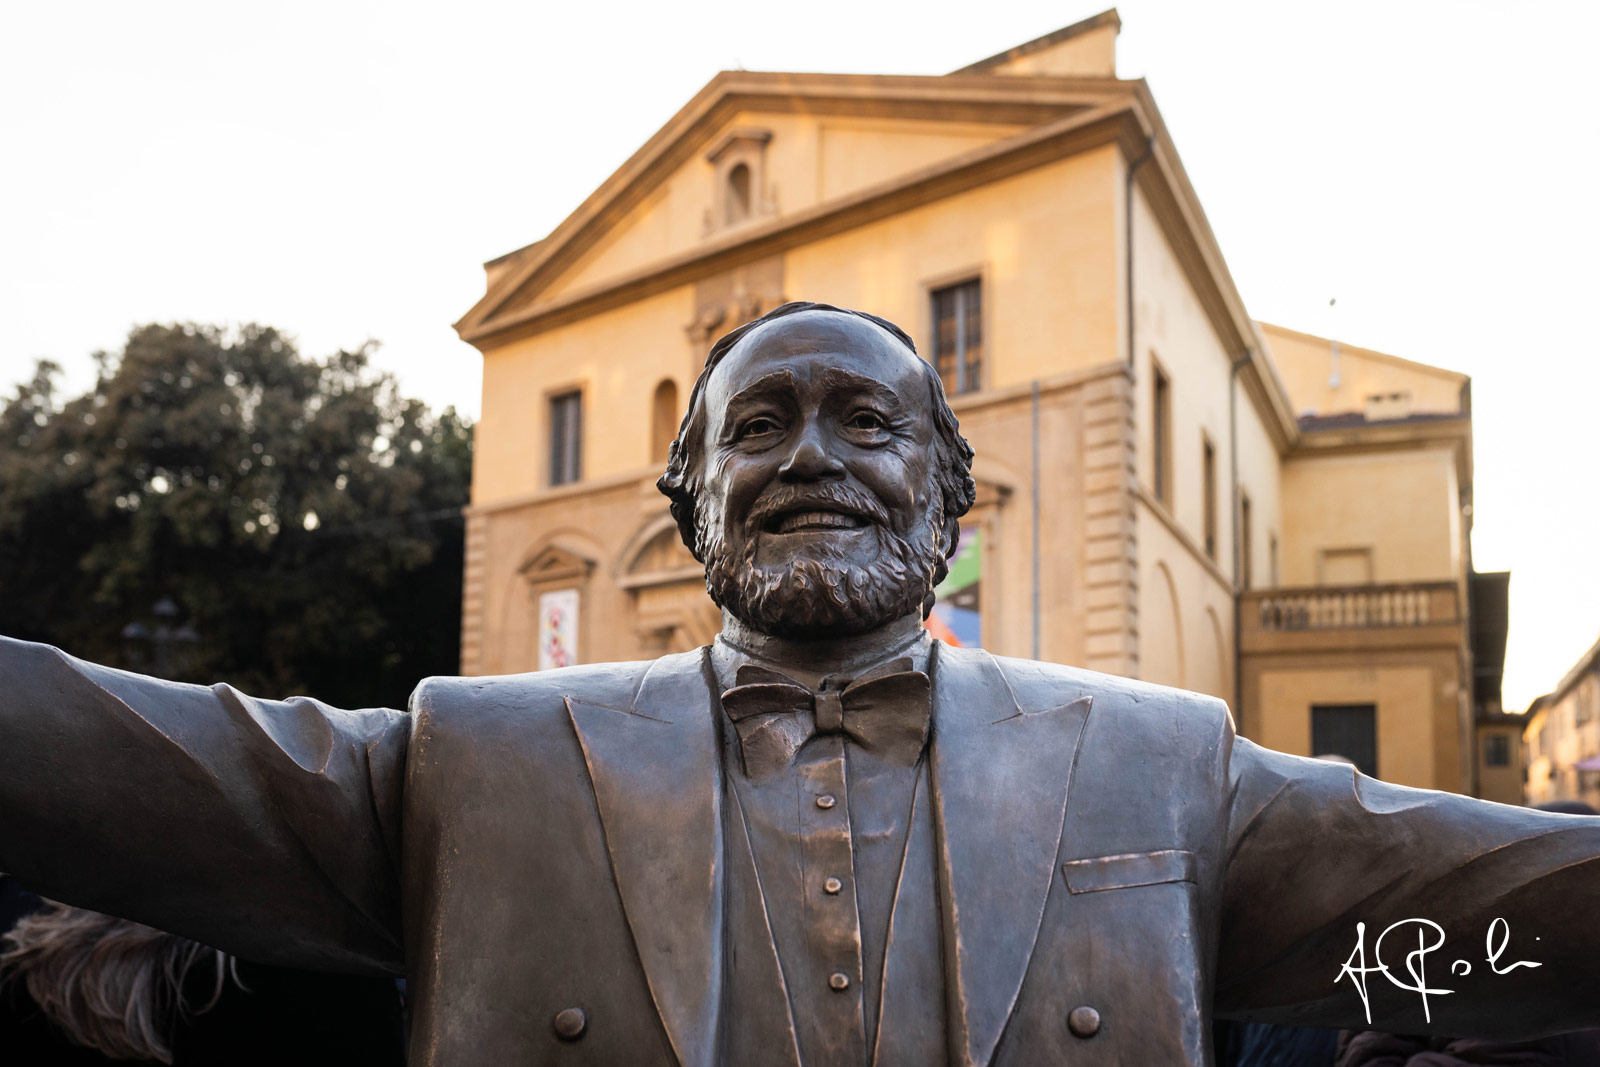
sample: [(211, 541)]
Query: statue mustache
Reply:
[(810, 498)]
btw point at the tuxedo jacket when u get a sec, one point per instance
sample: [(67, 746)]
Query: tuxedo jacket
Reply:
[(1113, 865)]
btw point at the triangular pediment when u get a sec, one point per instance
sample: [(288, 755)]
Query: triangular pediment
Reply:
[(555, 563), (809, 142)]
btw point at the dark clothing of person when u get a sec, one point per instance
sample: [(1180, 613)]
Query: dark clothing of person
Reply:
[(280, 1016), (1269, 1045), (1362, 1048)]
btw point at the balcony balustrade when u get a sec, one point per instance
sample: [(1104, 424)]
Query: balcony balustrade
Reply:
[(1270, 616)]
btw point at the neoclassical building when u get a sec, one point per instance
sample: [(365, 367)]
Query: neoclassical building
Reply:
[(1167, 488)]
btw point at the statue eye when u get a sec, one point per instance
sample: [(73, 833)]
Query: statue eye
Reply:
[(866, 420), (759, 426)]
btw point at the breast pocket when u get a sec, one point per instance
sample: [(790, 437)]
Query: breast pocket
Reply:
[(1129, 869)]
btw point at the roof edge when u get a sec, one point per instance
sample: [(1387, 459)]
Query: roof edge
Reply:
[(1108, 17), (1370, 353), (1575, 675)]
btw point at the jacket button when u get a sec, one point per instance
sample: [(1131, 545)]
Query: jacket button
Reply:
[(1083, 1022), (570, 1023)]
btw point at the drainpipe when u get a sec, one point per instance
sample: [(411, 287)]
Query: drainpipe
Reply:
[(1127, 235), (1238, 535), (1036, 523)]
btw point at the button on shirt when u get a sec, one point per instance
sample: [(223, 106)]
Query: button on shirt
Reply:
[(828, 833)]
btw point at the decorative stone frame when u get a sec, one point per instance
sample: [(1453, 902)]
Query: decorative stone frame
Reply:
[(559, 564), (741, 145)]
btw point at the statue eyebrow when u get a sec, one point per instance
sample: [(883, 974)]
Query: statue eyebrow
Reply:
[(836, 380), (764, 387)]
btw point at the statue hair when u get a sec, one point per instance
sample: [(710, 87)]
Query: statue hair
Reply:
[(110, 984), (952, 455)]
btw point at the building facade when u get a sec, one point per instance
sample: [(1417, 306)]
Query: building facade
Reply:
[(1166, 488), (1561, 737)]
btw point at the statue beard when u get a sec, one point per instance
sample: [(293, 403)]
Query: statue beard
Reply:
[(831, 591)]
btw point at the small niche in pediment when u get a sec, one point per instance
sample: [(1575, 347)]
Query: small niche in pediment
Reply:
[(740, 192)]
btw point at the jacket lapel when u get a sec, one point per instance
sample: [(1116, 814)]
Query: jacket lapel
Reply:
[(911, 1020), (1000, 785), (657, 781)]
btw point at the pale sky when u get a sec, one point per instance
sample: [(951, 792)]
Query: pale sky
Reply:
[(341, 170)]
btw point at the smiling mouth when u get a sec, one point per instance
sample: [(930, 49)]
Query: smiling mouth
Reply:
[(800, 521)]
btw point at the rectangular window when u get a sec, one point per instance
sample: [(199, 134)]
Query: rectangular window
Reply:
[(566, 438), (1348, 730), (1497, 750), (1246, 562), (958, 336), (1208, 486), (1272, 560), (1161, 433)]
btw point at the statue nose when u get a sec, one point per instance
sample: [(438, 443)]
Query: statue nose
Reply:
[(810, 459)]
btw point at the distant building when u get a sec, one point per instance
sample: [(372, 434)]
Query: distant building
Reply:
[(1561, 740), (1232, 507)]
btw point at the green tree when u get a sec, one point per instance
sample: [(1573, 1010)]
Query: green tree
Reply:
[(303, 515)]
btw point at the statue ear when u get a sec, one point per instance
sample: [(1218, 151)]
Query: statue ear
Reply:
[(682, 509)]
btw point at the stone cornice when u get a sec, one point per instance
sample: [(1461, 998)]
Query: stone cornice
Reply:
[(1393, 436)]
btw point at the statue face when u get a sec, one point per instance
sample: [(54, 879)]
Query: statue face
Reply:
[(818, 514)]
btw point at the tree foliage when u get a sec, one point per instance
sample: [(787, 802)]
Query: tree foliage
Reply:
[(302, 514)]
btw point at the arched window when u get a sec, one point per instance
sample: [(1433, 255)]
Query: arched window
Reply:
[(738, 200), (663, 419)]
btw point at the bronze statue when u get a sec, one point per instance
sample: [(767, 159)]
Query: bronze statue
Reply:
[(823, 840)]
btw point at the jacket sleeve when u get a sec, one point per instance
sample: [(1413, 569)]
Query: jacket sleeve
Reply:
[(1314, 849), (269, 829)]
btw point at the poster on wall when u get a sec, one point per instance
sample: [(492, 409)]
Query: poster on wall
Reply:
[(558, 629), (957, 617)]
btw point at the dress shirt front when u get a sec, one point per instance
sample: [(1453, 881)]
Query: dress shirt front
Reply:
[(828, 838)]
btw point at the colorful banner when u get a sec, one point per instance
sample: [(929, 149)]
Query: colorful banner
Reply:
[(558, 629), (957, 617)]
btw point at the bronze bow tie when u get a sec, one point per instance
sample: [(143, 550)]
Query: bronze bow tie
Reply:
[(886, 711)]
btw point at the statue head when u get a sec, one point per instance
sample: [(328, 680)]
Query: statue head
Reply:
[(819, 473)]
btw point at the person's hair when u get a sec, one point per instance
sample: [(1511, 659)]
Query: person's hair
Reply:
[(109, 984), (952, 455)]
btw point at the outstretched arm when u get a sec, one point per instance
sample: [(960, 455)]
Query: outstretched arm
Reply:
[(269, 829), (1316, 849)]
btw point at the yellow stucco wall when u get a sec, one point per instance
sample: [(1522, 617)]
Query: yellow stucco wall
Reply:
[(1406, 698), (1185, 614), (1044, 243), (1501, 784), (1305, 363), (1402, 505), (855, 153), (617, 358), (1092, 53), (1185, 599), (1171, 328), (809, 159)]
